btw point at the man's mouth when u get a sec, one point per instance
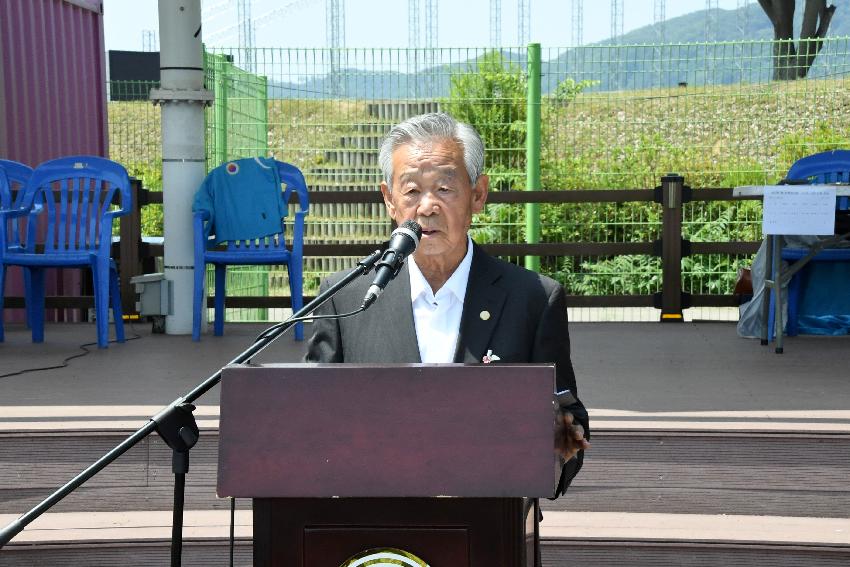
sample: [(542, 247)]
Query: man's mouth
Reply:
[(429, 231)]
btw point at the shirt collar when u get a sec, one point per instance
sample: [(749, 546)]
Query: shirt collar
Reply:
[(456, 284)]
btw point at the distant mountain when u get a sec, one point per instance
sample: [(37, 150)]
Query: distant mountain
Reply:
[(637, 62), (690, 28)]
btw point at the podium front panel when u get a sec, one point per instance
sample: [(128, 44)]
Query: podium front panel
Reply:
[(325, 430), (453, 532)]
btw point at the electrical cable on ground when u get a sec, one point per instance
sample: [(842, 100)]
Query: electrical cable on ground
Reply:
[(64, 363)]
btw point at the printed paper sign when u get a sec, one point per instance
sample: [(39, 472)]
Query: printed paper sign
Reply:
[(799, 210)]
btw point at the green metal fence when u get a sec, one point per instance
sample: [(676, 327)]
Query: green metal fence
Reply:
[(241, 281), (611, 117), (237, 124)]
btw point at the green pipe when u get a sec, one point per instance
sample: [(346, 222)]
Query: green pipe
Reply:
[(264, 115), (532, 153), (220, 67)]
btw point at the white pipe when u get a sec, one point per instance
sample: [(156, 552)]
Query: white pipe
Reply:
[(182, 97)]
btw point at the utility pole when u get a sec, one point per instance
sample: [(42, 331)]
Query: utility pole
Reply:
[(149, 42), (432, 12), (711, 9), (742, 22), (616, 39), (182, 98), (413, 30), (616, 21), (523, 21), (496, 24), (577, 22), (246, 33), (335, 26), (432, 42), (743, 18), (659, 16)]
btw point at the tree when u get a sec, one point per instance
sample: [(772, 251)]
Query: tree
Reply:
[(491, 97), (790, 62)]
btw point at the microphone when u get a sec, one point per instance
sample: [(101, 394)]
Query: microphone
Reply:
[(403, 243)]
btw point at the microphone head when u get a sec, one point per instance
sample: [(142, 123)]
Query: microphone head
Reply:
[(414, 227), (411, 229)]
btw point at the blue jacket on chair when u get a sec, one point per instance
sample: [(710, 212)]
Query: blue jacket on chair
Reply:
[(243, 198)]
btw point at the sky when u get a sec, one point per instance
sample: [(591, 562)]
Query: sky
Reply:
[(383, 23)]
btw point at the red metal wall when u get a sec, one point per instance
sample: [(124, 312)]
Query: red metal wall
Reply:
[(53, 79), (52, 95)]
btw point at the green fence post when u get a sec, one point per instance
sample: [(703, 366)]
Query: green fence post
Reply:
[(532, 153), (264, 114), (220, 66)]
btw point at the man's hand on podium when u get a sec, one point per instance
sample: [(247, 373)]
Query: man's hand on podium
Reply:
[(569, 436)]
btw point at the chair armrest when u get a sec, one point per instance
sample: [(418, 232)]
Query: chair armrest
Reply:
[(123, 209), (5, 216), (18, 212), (105, 245)]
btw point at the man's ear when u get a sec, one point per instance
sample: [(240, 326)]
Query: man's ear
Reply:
[(479, 193), (388, 199)]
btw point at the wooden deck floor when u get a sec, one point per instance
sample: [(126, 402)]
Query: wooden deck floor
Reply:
[(621, 367), (664, 399)]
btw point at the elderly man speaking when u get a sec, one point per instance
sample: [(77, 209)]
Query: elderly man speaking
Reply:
[(452, 302)]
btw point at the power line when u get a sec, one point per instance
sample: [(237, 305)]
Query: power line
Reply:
[(261, 21)]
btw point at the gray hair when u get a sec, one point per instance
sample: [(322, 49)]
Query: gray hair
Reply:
[(429, 128)]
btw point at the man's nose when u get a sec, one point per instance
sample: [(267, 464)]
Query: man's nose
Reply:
[(428, 205)]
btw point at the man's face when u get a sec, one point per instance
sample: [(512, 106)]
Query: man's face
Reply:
[(431, 186)]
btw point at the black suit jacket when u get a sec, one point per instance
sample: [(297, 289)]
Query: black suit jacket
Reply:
[(525, 321)]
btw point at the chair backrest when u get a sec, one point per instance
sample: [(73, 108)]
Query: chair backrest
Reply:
[(75, 194), (293, 180), (825, 167)]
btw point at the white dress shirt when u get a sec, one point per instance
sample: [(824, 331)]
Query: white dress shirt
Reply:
[(437, 317)]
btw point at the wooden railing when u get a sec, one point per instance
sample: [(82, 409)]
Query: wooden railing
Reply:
[(136, 257)]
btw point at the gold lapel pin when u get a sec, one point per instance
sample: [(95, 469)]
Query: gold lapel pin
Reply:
[(485, 315)]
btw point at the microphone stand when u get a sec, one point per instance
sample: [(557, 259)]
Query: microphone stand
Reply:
[(176, 423)]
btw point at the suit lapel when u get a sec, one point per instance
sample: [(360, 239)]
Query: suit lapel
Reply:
[(482, 308), (402, 346)]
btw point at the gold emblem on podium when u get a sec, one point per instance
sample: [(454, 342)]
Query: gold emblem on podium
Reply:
[(384, 557)]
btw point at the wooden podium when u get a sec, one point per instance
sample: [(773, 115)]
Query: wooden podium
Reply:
[(432, 460)]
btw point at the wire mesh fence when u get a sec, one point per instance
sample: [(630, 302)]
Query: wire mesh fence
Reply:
[(613, 117)]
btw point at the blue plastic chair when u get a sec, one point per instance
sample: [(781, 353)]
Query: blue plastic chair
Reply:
[(14, 177), (270, 250), (73, 198), (826, 167)]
